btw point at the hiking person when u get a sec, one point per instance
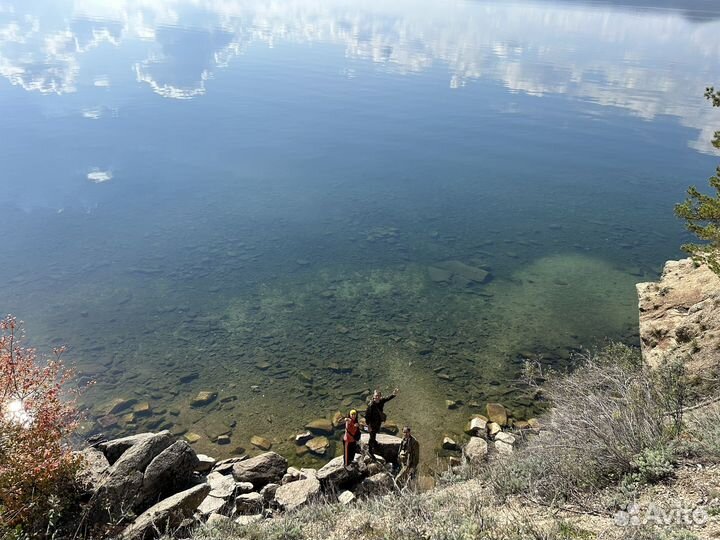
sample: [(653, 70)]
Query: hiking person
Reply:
[(351, 438), (408, 457), (375, 416)]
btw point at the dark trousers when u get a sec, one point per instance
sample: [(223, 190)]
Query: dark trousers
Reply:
[(350, 451), (372, 443)]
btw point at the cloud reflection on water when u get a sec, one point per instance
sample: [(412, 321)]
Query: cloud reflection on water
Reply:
[(649, 62)]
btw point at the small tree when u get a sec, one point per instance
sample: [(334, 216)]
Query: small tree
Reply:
[(702, 212), (36, 464)]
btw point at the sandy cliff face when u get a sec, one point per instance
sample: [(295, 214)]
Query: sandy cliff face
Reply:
[(680, 316)]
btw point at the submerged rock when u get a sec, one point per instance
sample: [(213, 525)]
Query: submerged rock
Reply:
[(497, 413), (203, 398), (318, 445), (321, 425), (261, 442)]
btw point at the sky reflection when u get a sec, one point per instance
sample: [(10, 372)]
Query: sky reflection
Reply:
[(651, 62)]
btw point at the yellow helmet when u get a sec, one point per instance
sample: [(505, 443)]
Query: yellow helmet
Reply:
[(353, 412)]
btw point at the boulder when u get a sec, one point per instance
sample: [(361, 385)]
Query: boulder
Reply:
[(203, 398), (205, 463), (346, 497), (378, 484), (323, 426), (212, 505), (93, 469), (334, 474), (249, 503), (261, 442), (171, 471), (260, 470), (493, 429), (505, 437), (118, 405), (450, 444), (318, 445), (247, 520), (302, 438), (476, 450), (297, 494), (218, 520), (338, 420), (221, 486), (439, 275), (115, 448), (122, 488), (268, 492), (167, 514), (477, 427), (503, 447), (389, 445), (497, 413), (225, 466)]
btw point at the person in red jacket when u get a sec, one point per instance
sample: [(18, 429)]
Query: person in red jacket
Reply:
[(351, 438)]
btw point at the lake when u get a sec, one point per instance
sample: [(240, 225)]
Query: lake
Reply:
[(290, 203)]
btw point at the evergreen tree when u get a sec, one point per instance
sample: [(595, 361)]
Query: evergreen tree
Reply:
[(702, 212)]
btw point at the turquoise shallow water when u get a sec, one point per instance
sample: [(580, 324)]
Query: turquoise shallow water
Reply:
[(268, 199)]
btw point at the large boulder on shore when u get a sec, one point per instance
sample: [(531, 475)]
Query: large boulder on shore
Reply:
[(115, 448), (298, 493), (389, 445), (121, 490), (376, 485), (167, 514), (261, 470), (171, 471), (334, 475), (94, 468)]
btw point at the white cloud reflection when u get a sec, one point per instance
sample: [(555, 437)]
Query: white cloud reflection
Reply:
[(651, 62)]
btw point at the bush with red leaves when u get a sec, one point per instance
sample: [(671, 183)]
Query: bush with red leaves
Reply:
[(37, 466)]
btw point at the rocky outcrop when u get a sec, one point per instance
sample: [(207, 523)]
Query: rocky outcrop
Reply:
[(298, 493), (260, 470), (680, 316), (166, 515)]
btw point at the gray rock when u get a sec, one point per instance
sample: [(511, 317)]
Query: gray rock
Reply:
[(334, 475), (115, 448), (297, 494), (218, 520), (505, 437), (389, 445), (221, 486), (476, 450), (122, 488), (211, 505), (268, 492), (139, 455), (378, 484), (246, 487), (167, 514), (249, 503), (171, 471), (503, 447), (225, 466), (247, 520), (205, 463), (261, 470), (450, 444), (346, 497), (94, 468)]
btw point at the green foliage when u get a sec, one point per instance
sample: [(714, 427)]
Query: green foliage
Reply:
[(702, 212), (653, 465)]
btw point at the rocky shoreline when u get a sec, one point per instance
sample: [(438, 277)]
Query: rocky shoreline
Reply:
[(137, 486)]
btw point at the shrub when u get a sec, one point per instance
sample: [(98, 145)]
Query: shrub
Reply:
[(36, 466), (704, 429), (604, 415)]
